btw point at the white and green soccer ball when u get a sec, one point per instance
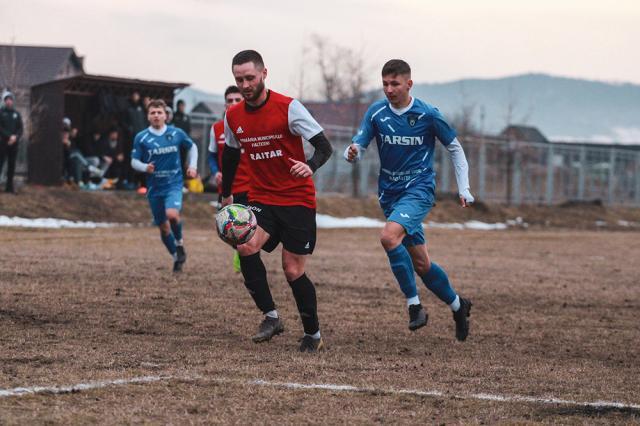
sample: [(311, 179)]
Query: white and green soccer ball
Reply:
[(236, 224)]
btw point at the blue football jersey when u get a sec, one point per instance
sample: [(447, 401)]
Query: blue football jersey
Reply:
[(164, 152), (406, 143)]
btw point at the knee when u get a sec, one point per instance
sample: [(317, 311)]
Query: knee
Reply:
[(173, 216), (389, 240), (247, 249), (292, 270)]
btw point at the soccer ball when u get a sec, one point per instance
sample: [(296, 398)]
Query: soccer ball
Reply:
[(236, 224)]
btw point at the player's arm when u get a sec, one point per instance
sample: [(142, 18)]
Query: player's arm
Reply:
[(447, 137), (136, 158), (302, 123), (230, 161), (361, 140)]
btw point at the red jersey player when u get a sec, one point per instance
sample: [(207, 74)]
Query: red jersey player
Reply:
[(240, 187), (269, 127)]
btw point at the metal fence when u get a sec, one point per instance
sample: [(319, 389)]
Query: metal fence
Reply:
[(499, 171)]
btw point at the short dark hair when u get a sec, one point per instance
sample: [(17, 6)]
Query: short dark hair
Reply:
[(157, 103), (248, 56), (396, 67), (180, 102), (230, 90)]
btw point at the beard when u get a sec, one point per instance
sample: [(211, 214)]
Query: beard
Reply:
[(255, 93)]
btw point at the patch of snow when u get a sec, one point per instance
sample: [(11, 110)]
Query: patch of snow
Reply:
[(51, 223)]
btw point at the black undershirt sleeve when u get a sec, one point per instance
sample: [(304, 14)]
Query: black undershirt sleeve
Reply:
[(323, 151), (230, 161)]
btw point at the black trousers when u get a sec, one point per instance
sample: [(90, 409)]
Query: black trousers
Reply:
[(8, 152)]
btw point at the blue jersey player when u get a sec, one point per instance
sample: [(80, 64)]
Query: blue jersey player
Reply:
[(156, 151), (405, 130)]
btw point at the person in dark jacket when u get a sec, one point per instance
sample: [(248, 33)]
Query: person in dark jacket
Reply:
[(11, 130), (180, 119), (136, 121)]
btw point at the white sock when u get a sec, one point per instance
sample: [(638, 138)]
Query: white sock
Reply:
[(175, 257), (455, 305), (415, 300), (316, 335), (272, 314), (179, 243)]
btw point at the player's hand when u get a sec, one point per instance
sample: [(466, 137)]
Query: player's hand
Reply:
[(192, 173), (218, 179), (300, 169), (352, 153), (151, 168), (227, 200), (12, 139), (466, 199)]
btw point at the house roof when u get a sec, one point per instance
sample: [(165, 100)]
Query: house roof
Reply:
[(337, 114), (37, 64), (88, 84), (523, 134), (207, 107)]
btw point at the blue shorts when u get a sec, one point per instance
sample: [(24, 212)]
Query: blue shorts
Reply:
[(160, 203), (409, 210)]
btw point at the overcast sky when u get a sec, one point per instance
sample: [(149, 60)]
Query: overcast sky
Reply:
[(193, 41)]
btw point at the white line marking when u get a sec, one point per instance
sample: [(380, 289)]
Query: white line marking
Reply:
[(58, 390)]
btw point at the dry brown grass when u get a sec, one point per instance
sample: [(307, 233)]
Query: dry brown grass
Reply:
[(555, 314)]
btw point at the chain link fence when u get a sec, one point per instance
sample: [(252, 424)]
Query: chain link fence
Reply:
[(500, 171)]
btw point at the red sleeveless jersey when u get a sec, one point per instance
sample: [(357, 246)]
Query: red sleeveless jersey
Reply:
[(271, 136), (242, 179)]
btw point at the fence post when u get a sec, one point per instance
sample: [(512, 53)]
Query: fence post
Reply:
[(517, 176), (482, 170), (582, 172), (550, 175), (637, 189), (364, 178), (611, 182)]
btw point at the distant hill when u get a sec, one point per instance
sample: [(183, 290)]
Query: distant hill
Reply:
[(562, 108)]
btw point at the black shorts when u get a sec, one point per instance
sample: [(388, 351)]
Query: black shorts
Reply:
[(293, 226)]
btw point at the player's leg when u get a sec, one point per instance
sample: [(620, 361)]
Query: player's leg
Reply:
[(160, 220), (436, 280), (298, 236), (173, 206), (393, 233), (239, 198), (255, 275)]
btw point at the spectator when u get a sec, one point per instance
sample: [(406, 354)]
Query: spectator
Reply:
[(112, 155), (75, 165), (169, 112), (136, 121), (10, 133), (180, 119)]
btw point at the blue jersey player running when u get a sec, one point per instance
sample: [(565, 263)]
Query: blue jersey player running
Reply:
[(405, 130), (156, 151)]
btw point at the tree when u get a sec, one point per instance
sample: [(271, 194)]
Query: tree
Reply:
[(343, 78)]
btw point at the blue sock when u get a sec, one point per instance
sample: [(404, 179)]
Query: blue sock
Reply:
[(437, 281), (169, 242), (176, 228), (402, 268)]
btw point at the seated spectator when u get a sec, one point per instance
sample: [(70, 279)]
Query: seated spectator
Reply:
[(75, 165), (112, 155)]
